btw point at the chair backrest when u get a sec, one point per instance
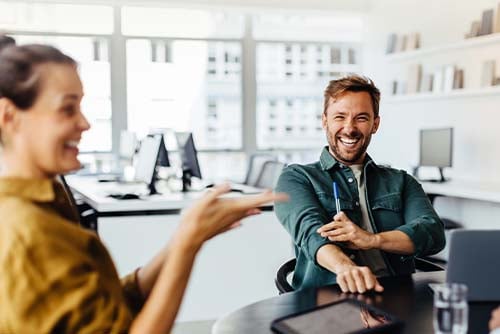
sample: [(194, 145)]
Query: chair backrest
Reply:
[(286, 269), (281, 280), (269, 174), (86, 215), (255, 164)]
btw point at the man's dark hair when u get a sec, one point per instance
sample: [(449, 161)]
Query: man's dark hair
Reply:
[(6, 41), (352, 83)]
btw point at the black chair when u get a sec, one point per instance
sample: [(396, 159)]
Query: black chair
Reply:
[(269, 174), (255, 165), (87, 216), (286, 269)]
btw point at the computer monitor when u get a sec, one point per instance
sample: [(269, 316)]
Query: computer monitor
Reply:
[(147, 160), (189, 158), (436, 147)]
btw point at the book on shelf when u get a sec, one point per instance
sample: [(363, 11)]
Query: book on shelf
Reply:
[(486, 22), (488, 73), (414, 77), (391, 43), (474, 29), (413, 41), (400, 43), (458, 81), (437, 82), (426, 83), (496, 23), (449, 78)]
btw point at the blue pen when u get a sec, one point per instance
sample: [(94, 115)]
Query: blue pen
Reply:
[(336, 196)]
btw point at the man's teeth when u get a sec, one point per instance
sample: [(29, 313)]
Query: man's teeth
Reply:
[(349, 141), (71, 143)]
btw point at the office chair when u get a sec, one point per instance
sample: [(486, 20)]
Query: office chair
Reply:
[(255, 164), (287, 268), (86, 215), (269, 174)]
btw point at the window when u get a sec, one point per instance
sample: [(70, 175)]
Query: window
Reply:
[(53, 23), (198, 88), (292, 74)]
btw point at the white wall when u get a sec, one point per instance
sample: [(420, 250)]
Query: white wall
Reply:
[(475, 119)]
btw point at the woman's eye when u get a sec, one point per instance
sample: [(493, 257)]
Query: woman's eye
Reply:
[(69, 110)]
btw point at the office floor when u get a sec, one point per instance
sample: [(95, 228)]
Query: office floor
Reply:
[(193, 327)]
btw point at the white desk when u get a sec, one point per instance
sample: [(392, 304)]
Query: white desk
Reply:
[(480, 191), (239, 265)]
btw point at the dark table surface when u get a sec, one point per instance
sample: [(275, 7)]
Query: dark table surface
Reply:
[(408, 298)]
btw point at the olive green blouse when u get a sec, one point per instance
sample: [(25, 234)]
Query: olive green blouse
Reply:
[(56, 277)]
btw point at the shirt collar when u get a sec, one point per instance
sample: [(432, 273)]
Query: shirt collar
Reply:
[(328, 161), (36, 190)]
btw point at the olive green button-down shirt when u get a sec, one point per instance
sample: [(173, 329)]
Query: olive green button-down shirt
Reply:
[(394, 199), (56, 277)]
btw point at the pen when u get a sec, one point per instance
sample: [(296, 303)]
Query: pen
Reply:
[(336, 196)]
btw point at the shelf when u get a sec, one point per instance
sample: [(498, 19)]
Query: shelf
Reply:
[(464, 44), (458, 93)]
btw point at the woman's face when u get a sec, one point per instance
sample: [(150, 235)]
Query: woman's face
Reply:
[(47, 134)]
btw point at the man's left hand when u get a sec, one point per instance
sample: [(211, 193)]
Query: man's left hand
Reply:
[(342, 229)]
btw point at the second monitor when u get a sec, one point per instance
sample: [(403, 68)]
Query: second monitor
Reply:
[(189, 158)]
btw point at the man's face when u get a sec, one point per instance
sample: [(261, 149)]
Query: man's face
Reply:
[(349, 123)]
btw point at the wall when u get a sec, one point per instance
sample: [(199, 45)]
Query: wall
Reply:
[(475, 119)]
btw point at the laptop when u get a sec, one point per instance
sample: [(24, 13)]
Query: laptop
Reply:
[(474, 260)]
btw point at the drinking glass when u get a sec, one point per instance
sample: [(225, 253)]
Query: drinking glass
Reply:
[(451, 312)]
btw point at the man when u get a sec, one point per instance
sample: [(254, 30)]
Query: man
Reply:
[(384, 219)]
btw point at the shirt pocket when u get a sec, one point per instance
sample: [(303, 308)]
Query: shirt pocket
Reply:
[(387, 211), (328, 203)]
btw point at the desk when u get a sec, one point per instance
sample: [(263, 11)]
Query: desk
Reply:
[(480, 191), (135, 230), (408, 298)]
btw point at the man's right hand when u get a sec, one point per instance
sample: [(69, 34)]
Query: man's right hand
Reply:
[(355, 279)]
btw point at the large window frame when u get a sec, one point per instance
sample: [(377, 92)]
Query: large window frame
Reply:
[(117, 56)]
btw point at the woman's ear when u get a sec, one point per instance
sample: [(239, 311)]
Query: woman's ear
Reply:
[(8, 113)]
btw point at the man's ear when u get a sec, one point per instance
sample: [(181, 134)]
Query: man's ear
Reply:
[(323, 120), (376, 124)]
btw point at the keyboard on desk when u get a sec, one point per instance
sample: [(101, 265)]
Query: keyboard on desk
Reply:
[(241, 188)]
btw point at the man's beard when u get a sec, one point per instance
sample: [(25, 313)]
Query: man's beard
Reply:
[(337, 152)]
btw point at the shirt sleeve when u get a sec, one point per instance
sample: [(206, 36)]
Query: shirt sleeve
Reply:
[(53, 286), (303, 214), (422, 224), (133, 295)]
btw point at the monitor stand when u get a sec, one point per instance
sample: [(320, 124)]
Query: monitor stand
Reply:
[(186, 179), (440, 180)]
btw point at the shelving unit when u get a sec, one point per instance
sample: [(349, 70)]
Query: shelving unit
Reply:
[(459, 93), (464, 44)]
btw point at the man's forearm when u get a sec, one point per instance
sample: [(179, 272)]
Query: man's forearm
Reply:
[(394, 242), (332, 258)]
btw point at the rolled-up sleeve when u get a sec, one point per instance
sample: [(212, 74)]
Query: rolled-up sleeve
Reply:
[(302, 215), (422, 224)]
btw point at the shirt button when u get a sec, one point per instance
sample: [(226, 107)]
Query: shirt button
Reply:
[(352, 256), (350, 180), (357, 203)]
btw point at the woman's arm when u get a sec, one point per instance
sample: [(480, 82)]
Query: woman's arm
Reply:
[(207, 218)]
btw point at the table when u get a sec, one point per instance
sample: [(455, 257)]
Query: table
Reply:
[(409, 298), (135, 230), (480, 191)]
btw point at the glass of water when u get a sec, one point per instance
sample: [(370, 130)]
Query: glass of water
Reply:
[(451, 312)]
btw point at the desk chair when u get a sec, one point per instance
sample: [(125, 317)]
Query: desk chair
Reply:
[(255, 164), (86, 214), (286, 270), (269, 174)]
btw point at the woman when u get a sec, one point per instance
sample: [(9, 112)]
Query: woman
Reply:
[(56, 277)]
